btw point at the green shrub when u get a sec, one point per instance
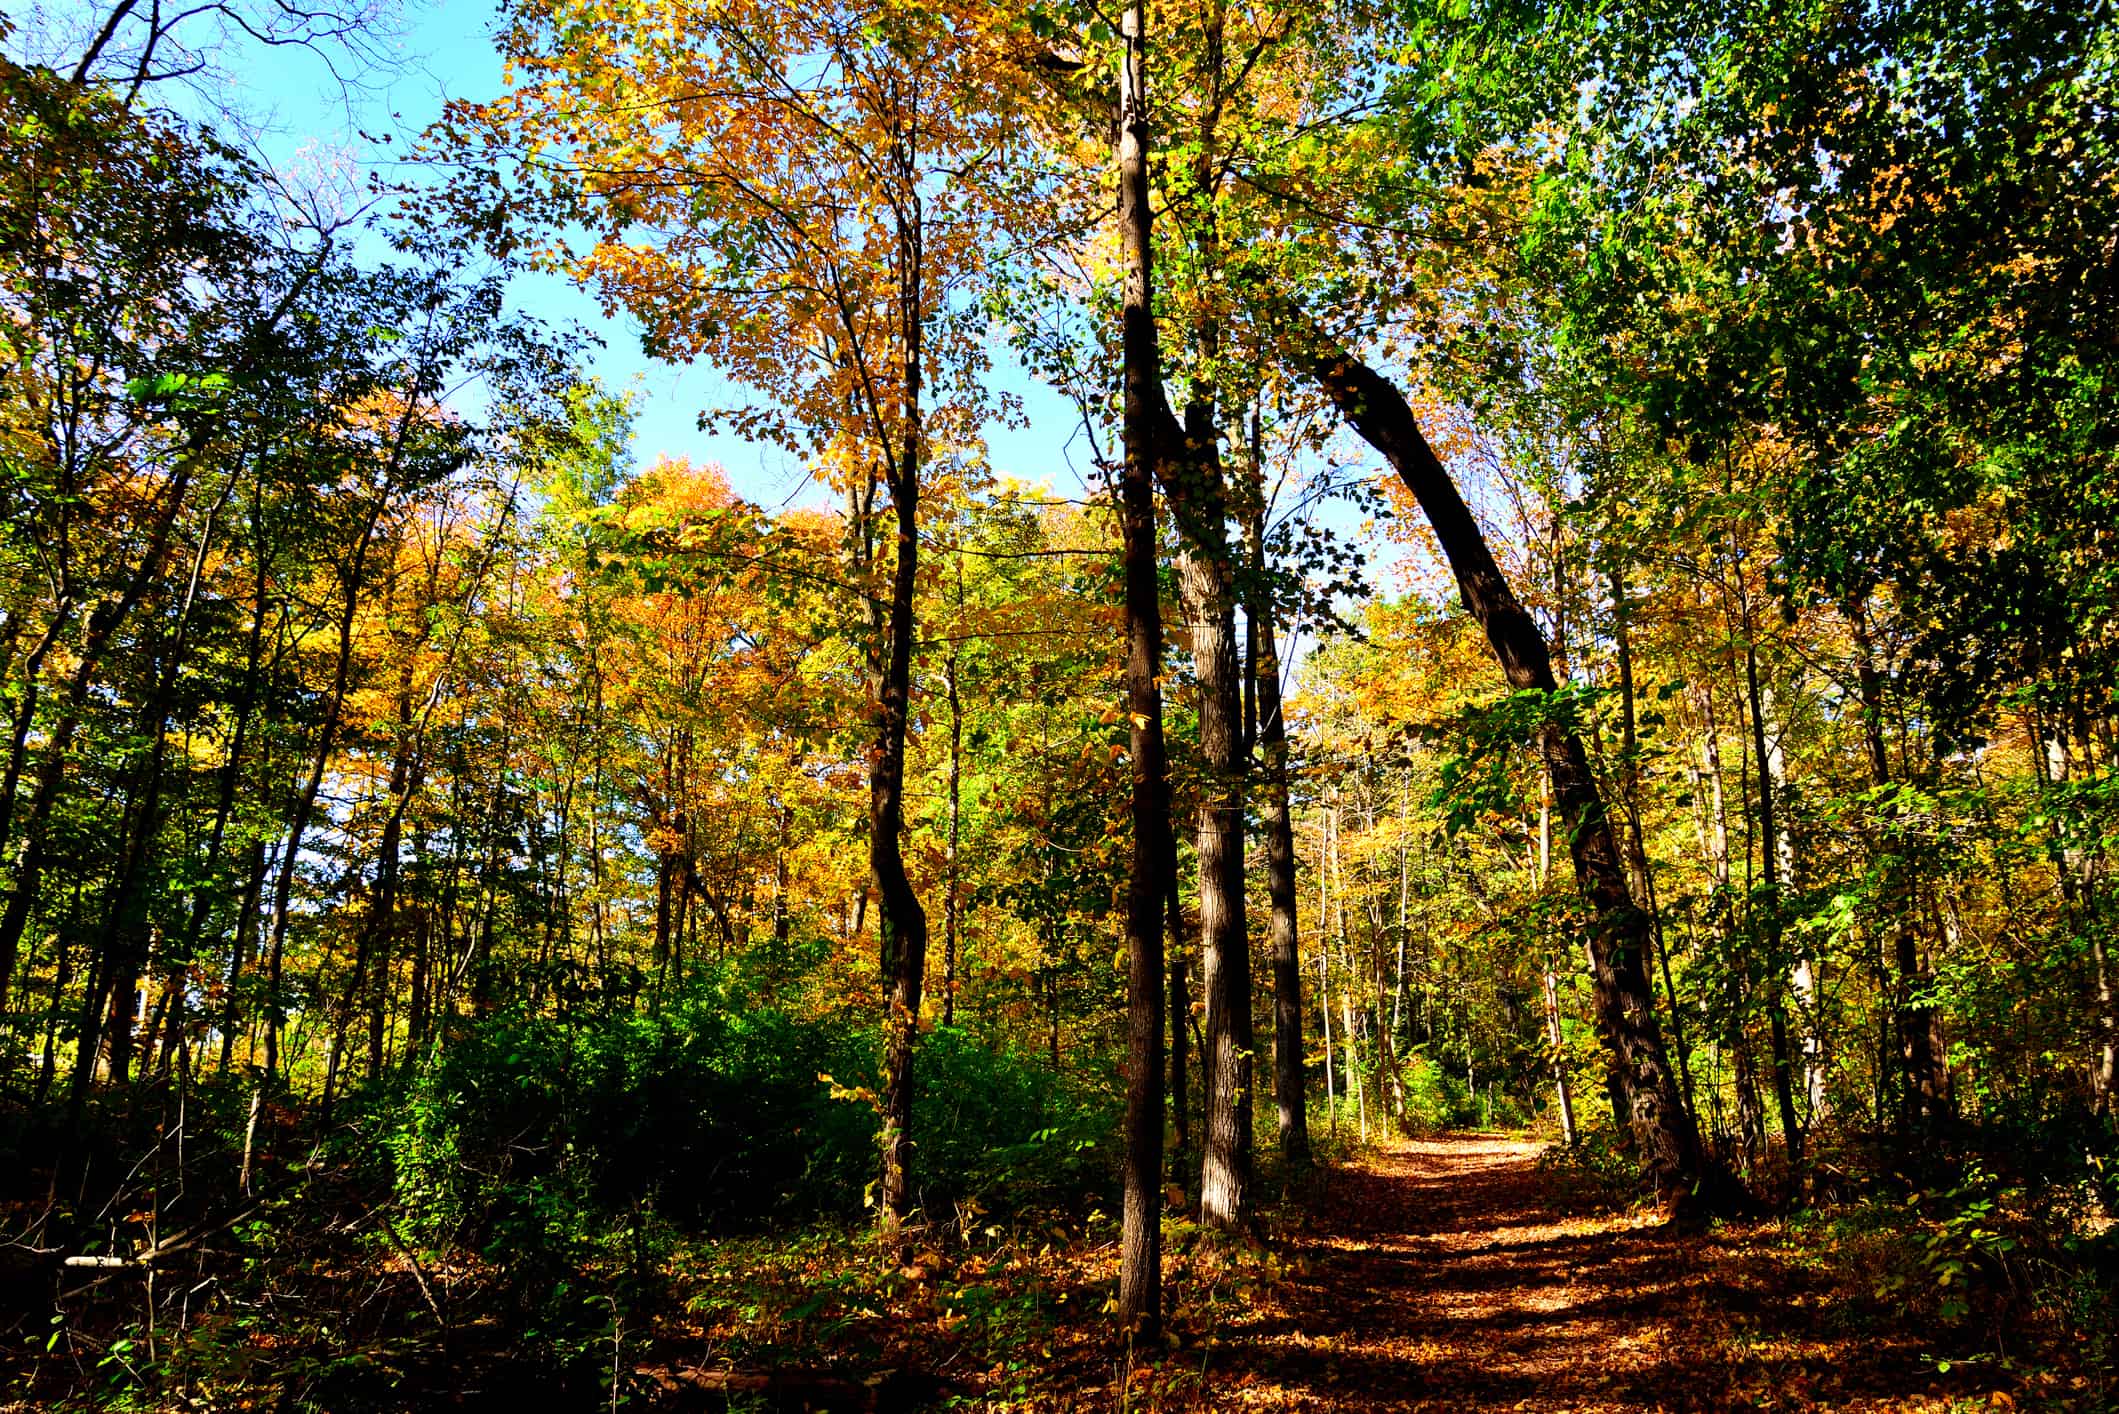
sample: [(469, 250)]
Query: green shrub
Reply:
[(1434, 1099), (527, 1133)]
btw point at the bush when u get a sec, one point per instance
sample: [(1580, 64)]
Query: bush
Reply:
[(527, 1132), (1434, 1099)]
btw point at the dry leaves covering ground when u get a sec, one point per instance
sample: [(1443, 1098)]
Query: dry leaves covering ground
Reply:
[(1433, 1275), (1438, 1276)]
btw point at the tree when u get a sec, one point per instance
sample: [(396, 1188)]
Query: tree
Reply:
[(791, 194)]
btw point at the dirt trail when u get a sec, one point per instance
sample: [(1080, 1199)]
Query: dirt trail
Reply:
[(1441, 1278)]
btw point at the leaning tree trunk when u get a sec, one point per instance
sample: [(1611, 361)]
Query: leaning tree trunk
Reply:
[(1618, 947)]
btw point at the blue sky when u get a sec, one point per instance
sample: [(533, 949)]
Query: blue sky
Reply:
[(305, 112), (305, 116)]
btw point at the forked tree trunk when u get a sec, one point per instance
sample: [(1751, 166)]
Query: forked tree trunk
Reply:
[(1618, 948)]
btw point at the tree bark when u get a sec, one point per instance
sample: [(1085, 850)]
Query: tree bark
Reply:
[(1770, 860), (304, 805), (901, 921), (950, 903), (1923, 1098), (1154, 848), (1290, 1088), (103, 624), (1180, 1014)]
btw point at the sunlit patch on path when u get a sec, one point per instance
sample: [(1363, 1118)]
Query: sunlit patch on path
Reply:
[(1439, 1277)]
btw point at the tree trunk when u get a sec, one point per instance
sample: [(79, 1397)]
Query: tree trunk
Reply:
[(1224, 939), (950, 904), (902, 922), (1923, 1085), (1618, 949), (1290, 1090), (304, 805), (1325, 822), (103, 624), (1770, 861), (1638, 865), (1554, 1037), (1154, 847), (1180, 1016)]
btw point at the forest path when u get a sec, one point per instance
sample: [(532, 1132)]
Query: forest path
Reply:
[(1440, 1275)]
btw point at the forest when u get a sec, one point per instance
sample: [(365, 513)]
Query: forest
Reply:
[(1423, 714)]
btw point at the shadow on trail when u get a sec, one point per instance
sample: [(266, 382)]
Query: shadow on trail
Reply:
[(1439, 1277)]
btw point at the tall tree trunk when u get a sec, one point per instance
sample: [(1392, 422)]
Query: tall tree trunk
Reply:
[(1770, 860), (1619, 943), (1349, 1032), (1180, 1016), (304, 804), (25, 716), (122, 953), (1199, 500), (1224, 940), (1640, 869), (950, 902), (1290, 1090), (1154, 848), (1555, 1039), (103, 624), (1325, 823), (902, 922), (1923, 1086)]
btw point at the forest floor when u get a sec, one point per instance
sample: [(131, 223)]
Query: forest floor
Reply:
[(1441, 1274), (1452, 1273)]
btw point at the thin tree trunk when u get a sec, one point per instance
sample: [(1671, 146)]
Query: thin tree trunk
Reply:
[(1554, 1037), (1154, 847), (1180, 1016), (1770, 860), (950, 905), (1290, 1087), (1638, 864), (1349, 1034), (305, 803), (1324, 961), (51, 772), (1924, 1092), (902, 922)]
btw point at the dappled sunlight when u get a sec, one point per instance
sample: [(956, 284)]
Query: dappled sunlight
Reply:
[(1439, 1277)]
